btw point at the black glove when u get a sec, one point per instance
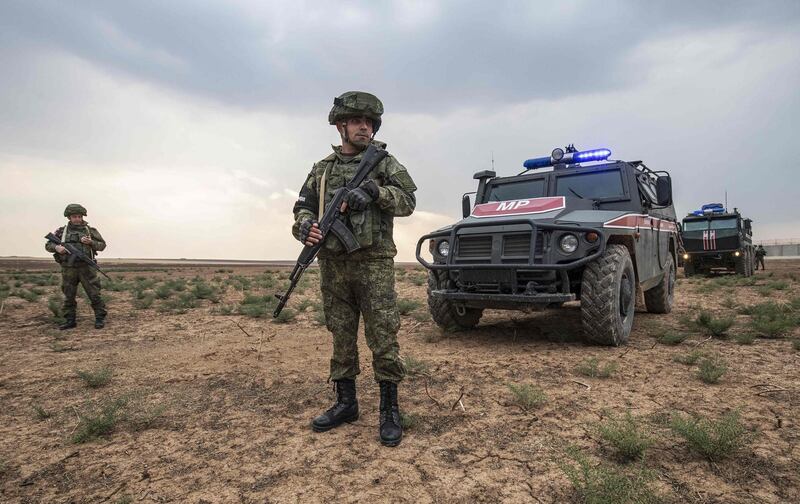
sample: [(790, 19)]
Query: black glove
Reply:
[(360, 197), (305, 229)]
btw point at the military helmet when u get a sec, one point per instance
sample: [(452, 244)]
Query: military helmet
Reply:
[(74, 209), (354, 104)]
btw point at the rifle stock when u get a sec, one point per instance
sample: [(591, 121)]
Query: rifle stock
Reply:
[(332, 221)]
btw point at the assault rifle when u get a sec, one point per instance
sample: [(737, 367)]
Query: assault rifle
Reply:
[(75, 254), (332, 221)]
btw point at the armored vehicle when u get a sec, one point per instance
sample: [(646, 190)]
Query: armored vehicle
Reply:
[(717, 240), (572, 226)]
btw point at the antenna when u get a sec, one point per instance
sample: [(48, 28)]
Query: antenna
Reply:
[(492, 160), (726, 200)]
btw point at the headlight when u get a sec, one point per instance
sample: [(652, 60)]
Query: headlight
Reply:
[(443, 248), (686, 256), (569, 243), (737, 253)]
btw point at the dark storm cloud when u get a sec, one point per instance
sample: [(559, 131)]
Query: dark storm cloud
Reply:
[(458, 55)]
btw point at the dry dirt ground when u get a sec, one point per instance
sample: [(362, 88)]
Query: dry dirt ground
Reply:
[(199, 410)]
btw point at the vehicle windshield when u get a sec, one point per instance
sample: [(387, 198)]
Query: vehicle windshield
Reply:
[(723, 223), (524, 189), (592, 185), (695, 225)]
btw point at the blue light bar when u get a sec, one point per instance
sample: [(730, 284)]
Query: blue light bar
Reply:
[(560, 157)]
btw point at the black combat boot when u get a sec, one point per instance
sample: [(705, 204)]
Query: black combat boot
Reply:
[(68, 324), (100, 322), (345, 409), (391, 431)]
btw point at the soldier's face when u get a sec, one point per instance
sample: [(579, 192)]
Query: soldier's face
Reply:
[(76, 219), (359, 130)]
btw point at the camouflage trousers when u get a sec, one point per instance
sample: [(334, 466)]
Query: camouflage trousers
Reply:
[(354, 288), (760, 260), (71, 276)]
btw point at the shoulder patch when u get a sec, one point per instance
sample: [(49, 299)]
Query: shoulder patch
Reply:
[(402, 179)]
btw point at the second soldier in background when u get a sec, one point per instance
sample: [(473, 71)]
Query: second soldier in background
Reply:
[(362, 282)]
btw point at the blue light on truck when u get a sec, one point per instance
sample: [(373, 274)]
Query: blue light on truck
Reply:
[(560, 157)]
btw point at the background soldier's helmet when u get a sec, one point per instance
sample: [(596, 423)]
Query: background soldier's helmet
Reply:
[(74, 209), (355, 104)]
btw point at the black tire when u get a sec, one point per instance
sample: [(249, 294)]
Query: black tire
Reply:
[(750, 263), (741, 265), (660, 298), (447, 315), (688, 268), (608, 297)]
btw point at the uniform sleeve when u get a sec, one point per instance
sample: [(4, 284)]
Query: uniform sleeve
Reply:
[(50, 246), (397, 193), (307, 204), (98, 243)]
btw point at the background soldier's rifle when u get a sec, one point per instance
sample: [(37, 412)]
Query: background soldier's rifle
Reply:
[(75, 254), (332, 221)]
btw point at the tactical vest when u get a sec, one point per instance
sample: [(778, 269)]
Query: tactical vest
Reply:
[(371, 227), (72, 234)]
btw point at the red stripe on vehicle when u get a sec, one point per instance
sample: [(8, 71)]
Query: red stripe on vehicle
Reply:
[(641, 221)]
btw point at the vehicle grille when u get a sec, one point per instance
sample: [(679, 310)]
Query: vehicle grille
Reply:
[(473, 247), (516, 248)]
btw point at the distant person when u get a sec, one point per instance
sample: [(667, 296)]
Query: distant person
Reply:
[(362, 282), (760, 253), (79, 233)]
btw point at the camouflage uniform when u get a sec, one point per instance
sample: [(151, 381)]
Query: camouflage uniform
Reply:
[(361, 282), (79, 272), (760, 253)]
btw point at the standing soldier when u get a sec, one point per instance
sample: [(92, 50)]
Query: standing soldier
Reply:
[(362, 282), (78, 232), (760, 253)]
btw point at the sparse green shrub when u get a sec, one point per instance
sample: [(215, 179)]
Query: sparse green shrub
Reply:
[(627, 437), (714, 440), (304, 304), (772, 328), (319, 317), (419, 279), (593, 368), (202, 290), (98, 423), (28, 295), (711, 369), (415, 366), (41, 413), (285, 316), (163, 291), (527, 396), (729, 303), (408, 420), (421, 316), (224, 309), (141, 416), (605, 484), (712, 325), (744, 338), (672, 338), (180, 304), (406, 306), (55, 303), (96, 378), (144, 302)]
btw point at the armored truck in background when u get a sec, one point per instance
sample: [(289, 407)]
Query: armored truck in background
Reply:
[(715, 239)]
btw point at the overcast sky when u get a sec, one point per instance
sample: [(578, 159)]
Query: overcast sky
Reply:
[(186, 128)]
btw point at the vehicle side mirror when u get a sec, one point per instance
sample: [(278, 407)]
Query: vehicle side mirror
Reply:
[(664, 191), (466, 206)]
